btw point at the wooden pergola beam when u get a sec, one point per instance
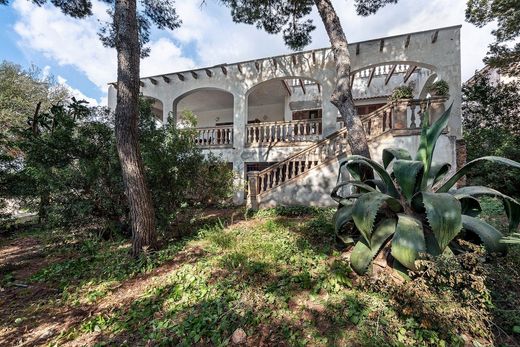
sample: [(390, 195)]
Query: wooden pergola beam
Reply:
[(371, 76), (166, 79), (194, 75), (407, 42), (284, 82), (181, 76), (153, 80), (392, 70), (208, 72), (435, 35), (303, 86), (409, 72)]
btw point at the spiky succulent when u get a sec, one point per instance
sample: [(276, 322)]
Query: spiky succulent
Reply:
[(413, 207)]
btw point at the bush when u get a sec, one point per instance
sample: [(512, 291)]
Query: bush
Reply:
[(402, 92), (439, 88), (491, 127), (64, 165), (178, 173)]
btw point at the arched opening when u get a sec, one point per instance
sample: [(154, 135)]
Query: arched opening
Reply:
[(373, 85), (284, 110), (157, 107), (212, 109)]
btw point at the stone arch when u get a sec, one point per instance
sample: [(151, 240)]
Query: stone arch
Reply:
[(278, 99), (381, 78), (206, 103)]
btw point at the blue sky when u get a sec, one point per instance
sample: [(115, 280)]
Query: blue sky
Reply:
[(70, 50)]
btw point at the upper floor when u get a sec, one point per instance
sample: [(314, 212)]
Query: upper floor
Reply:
[(284, 100)]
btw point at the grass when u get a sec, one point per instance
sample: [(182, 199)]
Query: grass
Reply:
[(275, 275)]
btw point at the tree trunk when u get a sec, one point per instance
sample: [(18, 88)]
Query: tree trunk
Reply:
[(342, 94), (142, 216)]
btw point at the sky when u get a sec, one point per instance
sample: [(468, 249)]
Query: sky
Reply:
[(69, 49)]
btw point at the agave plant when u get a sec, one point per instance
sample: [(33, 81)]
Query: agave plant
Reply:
[(412, 207)]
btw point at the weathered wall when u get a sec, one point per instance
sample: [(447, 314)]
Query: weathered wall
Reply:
[(313, 189)]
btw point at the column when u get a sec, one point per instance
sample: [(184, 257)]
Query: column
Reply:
[(329, 112), (167, 110), (239, 139)]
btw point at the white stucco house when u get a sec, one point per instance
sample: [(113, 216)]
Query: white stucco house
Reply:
[(272, 120)]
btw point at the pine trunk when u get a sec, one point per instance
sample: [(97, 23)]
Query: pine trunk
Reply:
[(142, 216), (342, 94)]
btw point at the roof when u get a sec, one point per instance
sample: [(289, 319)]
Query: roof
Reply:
[(224, 65)]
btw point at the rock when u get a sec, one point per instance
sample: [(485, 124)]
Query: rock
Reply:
[(47, 333), (239, 336)]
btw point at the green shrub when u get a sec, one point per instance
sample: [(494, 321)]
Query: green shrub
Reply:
[(64, 165), (413, 206), (402, 92), (439, 88)]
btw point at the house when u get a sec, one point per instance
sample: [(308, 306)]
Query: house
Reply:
[(272, 120)]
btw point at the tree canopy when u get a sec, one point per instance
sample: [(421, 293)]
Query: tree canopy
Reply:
[(288, 16), (503, 53), (21, 90)]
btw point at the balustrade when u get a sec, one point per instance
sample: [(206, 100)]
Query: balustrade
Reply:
[(284, 131), (214, 136)]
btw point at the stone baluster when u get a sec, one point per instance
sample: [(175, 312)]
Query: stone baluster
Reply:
[(413, 125), (252, 196)]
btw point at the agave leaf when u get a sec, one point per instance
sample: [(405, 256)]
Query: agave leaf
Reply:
[(366, 208), (347, 201), (364, 188), (443, 213), (377, 184), (342, 216), (466, 168), (406, 173), (429, 141), (358, 159), (488, 235), (401, 270), (469, 205), (438, 172), (363, 254), (511, 206), (408, 241), (361, 257), (392, 153)]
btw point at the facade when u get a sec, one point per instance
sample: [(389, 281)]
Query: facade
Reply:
[(272, 120)]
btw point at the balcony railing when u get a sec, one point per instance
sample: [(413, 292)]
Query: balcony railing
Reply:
[(283, 131), (402, 115), (221, 136)]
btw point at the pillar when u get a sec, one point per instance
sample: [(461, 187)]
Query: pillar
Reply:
[(329, 111), (239, 139), (252, 196), (167, 109)]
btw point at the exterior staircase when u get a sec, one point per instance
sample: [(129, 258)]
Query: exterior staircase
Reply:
[(314, 169)]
